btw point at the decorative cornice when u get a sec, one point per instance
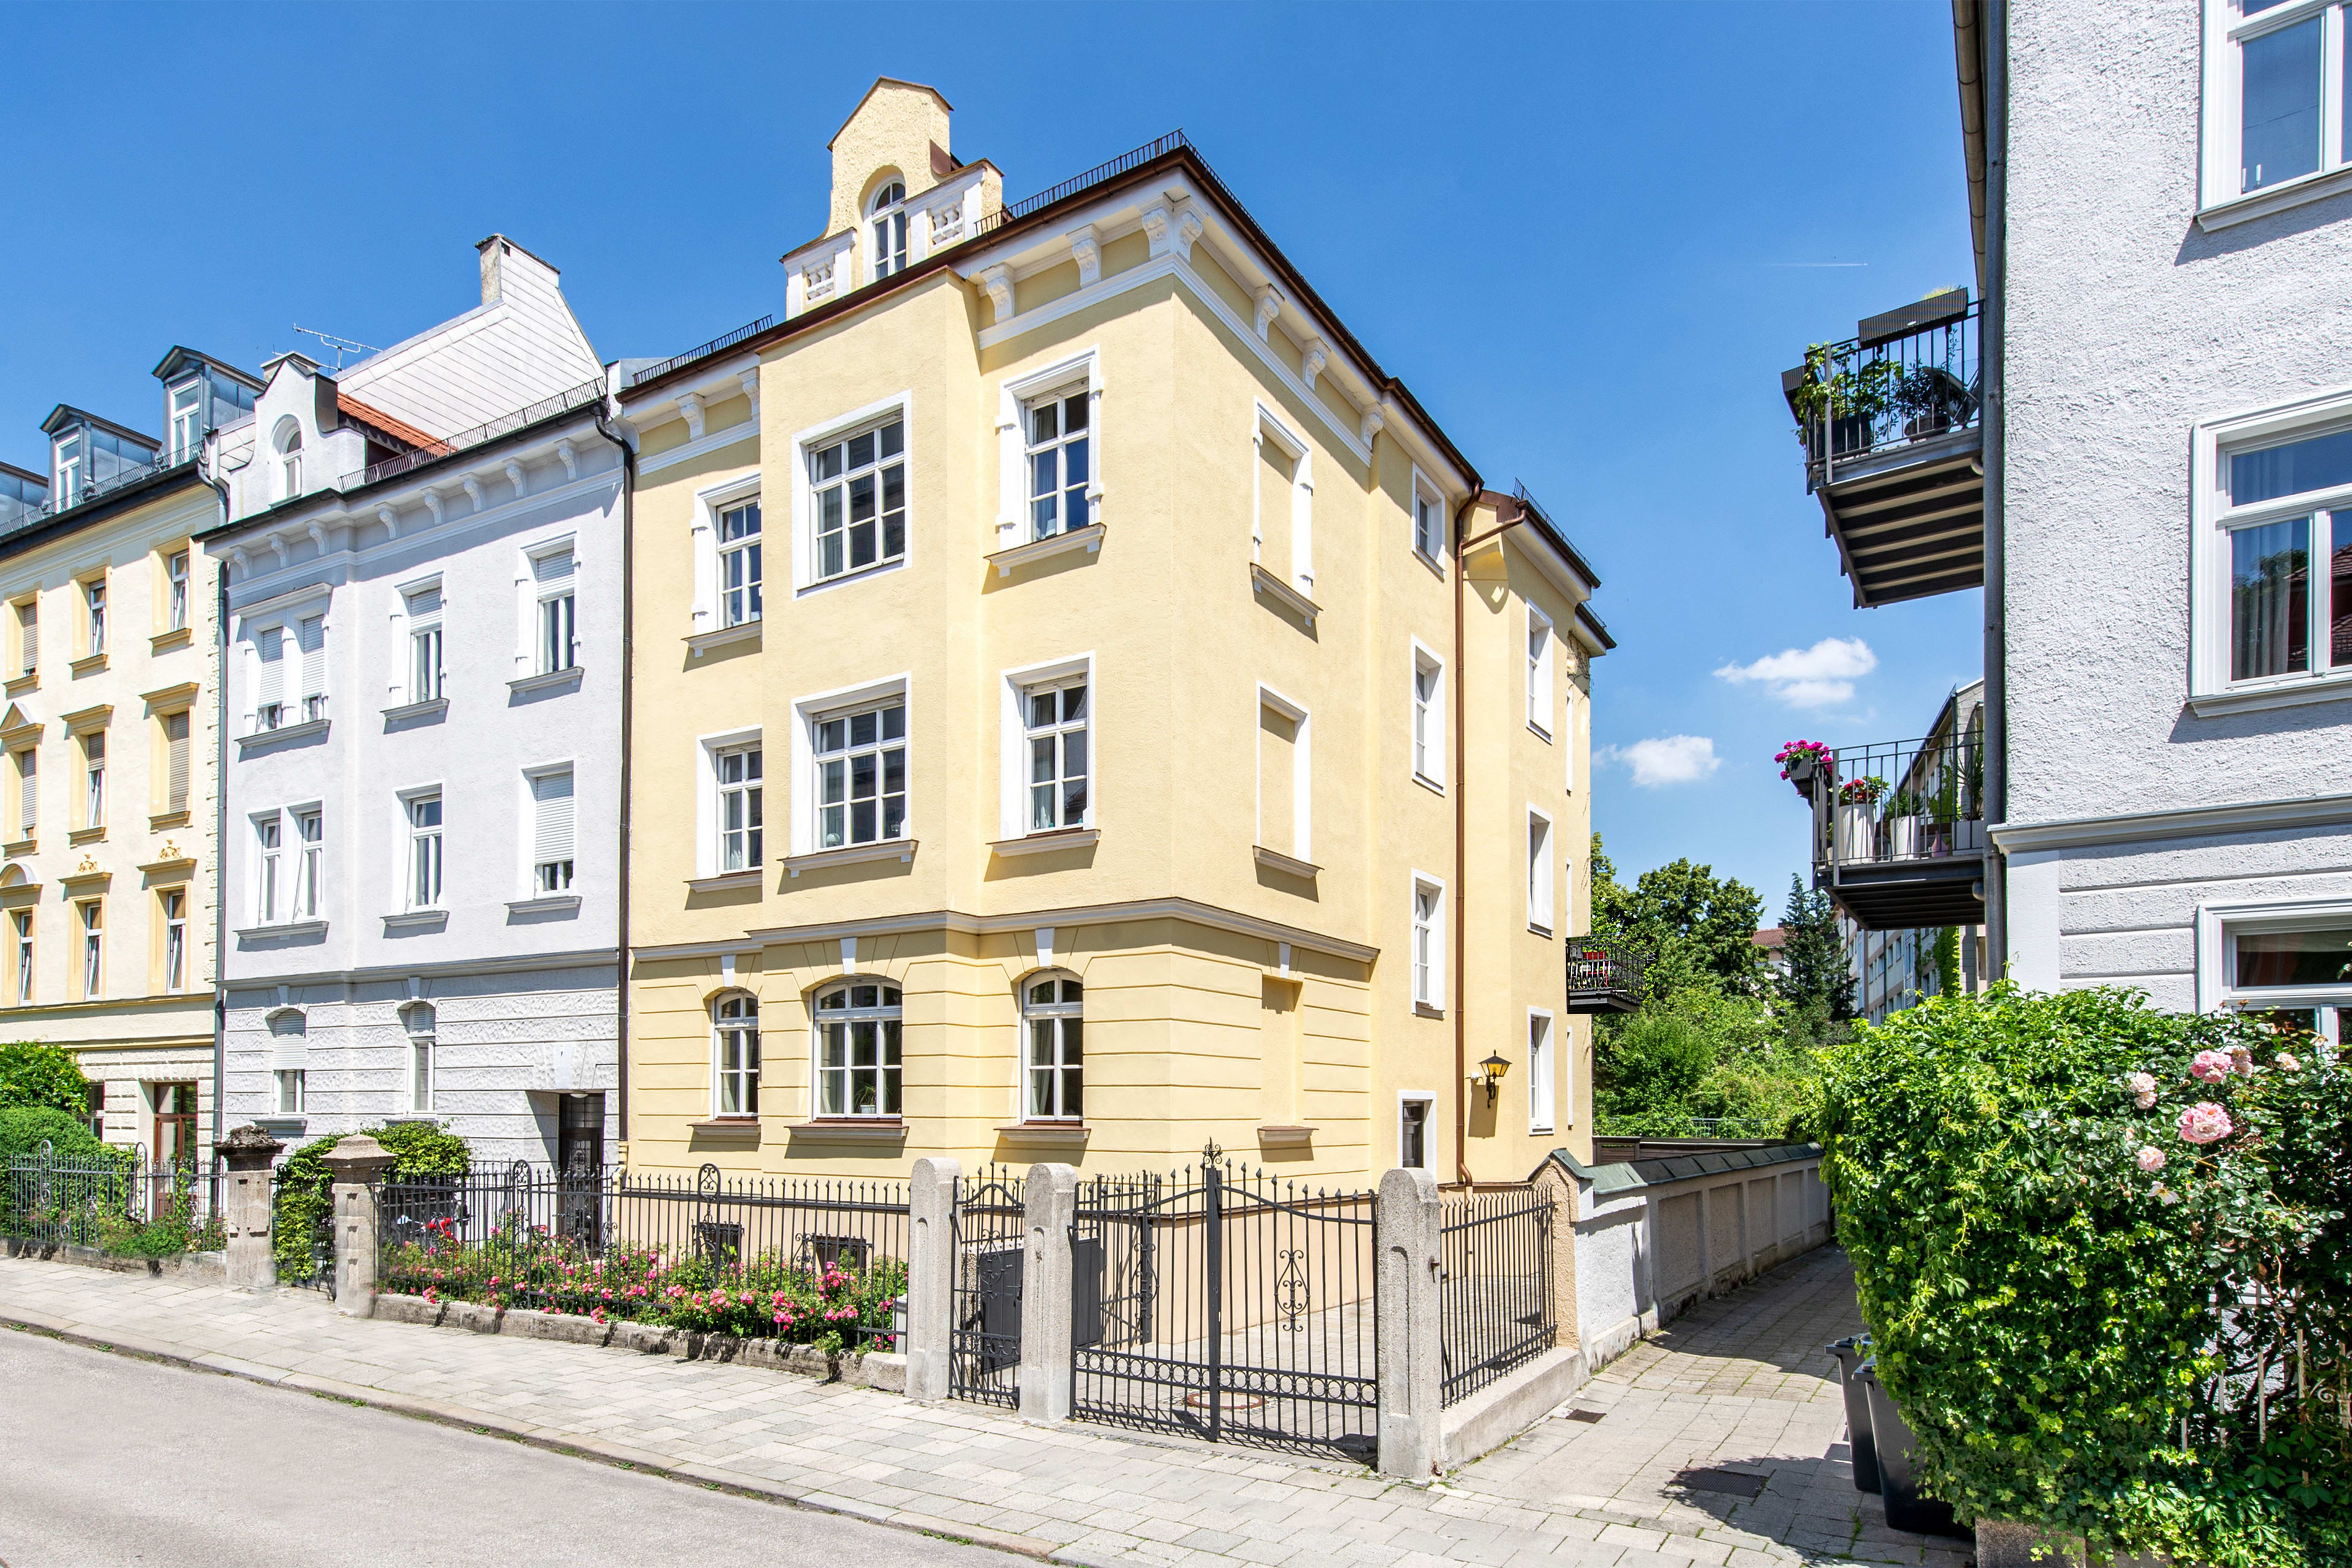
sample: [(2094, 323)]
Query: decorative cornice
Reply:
[(1170, 908), (517, 479), (2250, 817), (473, 490), (998, 281), (1312, 358), (1269, 306), (569, 456)]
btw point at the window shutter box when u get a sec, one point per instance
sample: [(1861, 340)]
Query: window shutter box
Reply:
[(270, 644), (553, 568), (313, 633), (175, 737), (552, 800)]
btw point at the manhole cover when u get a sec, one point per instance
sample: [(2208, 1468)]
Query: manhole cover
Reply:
[(1585, 1415), (1732, 1483)]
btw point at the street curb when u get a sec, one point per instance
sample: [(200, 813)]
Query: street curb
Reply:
[(551, 1439)]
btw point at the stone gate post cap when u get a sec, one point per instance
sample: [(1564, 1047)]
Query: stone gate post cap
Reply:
[(249, 1148), (359, 1158)]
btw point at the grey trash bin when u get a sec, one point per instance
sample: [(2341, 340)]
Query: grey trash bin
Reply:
[(1907, 1507), (1850, 1352)]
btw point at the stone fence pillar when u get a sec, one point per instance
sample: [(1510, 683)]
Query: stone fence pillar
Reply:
[(247, 1153), (1412, 1229), (359, 1163), (1554, 1181), (930, 1279), (1050, 1198)]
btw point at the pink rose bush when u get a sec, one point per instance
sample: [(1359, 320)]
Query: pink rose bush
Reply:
[(2151, 1158), (2205, 1122), (2210, 1067)]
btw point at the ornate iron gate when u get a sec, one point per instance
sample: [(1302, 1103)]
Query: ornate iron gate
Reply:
[(990, 1243), (1226, 1305)]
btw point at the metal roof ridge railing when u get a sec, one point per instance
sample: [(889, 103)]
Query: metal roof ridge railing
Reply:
[(1101, 174), (703, 350), (1535, 508), (563, 402)]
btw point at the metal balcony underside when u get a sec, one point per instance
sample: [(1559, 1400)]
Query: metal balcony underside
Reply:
[(1907, 895), (1909, 521)]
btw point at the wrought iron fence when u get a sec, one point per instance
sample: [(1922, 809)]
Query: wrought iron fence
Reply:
[(565, 402), (1896, 801), (1599, 966), (790, 1258), (1494, 1309), (985, 1362), (719, 344), (1228, 1305), (1874, 393), (124, 1205)]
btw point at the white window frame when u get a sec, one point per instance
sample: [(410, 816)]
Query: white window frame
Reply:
[(177, 568), (1058, 1014), (90, 927), (883, 211), (2218, 928), (1543, 1060), (1302, 772), (93, 604), (1542, 684), (93, 777), (566, 878), (712, 503), (1013, 816), (2213, 519), (1543, 905), (1426, 730), (722, 1025), (2220, 201), (411, 837), (710, 860), (1428, 1104), (285, 447), (1425, 967), (285, 614), (900, 406), (309, 861), (269, 880), (751, 547), (1057, 732), (68, 459), (879, 745), (1014, 396), (1425, 491), (421, 1071), (420, 632), (538, 658), (1265, 424), (290, 1091), (25, 964), (802, 812), (184, 425), (880, 1014)]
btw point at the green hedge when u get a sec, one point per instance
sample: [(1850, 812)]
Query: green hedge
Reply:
[(304, 1202), (2039, 1246), (32, 1074), (24, 1128)]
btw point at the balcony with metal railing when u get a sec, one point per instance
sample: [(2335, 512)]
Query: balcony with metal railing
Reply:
[(1891, 421), (1898, 832), (1603, 976)]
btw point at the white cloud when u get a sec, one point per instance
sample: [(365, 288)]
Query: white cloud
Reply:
[(1821, 676), (1666, 759)]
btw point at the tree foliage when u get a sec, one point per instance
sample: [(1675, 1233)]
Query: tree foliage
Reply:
[(1700, 1053), (2043, 1240), (304, 1202), (1693, 925), (1818, 975), (32, 1074), (25, 1128)]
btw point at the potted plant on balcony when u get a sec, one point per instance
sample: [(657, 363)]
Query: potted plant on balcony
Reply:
[(1931, 400), (1902, 826), (1802, 762), (1850, 396), (1857, 819)]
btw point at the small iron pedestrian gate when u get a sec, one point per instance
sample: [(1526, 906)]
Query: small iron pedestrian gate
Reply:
[(1226, 1305), (989, 1220)]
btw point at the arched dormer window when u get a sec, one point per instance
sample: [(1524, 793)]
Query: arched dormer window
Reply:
[(422, 1025), (735, 1054), (289, 442), (1053, 1079), (887, 212), (857, 1049)]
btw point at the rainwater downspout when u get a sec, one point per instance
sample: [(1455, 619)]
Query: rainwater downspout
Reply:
[(1461, 833), (220, 805), (621, 907)]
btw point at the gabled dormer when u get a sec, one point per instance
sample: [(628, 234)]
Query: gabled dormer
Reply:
[(898, 195), (88, 454), (21, 492), (201, 395)]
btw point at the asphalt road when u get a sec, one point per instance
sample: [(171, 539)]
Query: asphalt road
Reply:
[(106, 1459)]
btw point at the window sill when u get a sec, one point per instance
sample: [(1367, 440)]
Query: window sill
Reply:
[(87, 834), (850, 1129), (282, 1125), (1088, 538), (1275, 859), (1285, 1137), (1542, 930), (722, 883), (417, 919), (1046, 842), (158, 822), (177, 638), (1283, 593), (28, 681), (1436, 567), (2261, 203), (431, 708), (746, 1128), (283, 928), (901, 849), (859, 574), (553, 903), (88, 664), (550, 680), (1046, 1134), (1423, 1010), (1540, 732), (701, 643), (1431, 784), (19, 846), (2291, 693), (309, 728)]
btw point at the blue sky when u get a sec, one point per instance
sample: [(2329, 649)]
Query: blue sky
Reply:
[(1588, 237)]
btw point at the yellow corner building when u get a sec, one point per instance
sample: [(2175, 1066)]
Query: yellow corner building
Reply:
[(1083, 708)]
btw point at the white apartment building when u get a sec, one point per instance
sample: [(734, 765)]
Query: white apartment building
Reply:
[(422, 796)]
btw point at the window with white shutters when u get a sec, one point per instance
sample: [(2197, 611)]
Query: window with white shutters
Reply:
[(269, 677), (551, 833), (559, 642), (175, 760), (28, 792), (425, 645), (313, 633)]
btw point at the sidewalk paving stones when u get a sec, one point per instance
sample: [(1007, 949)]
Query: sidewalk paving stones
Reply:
[(1739, 1384)]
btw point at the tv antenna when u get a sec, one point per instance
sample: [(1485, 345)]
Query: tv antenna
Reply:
[(341, 345)]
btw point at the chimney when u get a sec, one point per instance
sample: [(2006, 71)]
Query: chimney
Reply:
[(494, 250)]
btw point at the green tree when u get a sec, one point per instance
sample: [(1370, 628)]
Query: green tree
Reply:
[(32, 1074), (1817, 988), (1695, 927)]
